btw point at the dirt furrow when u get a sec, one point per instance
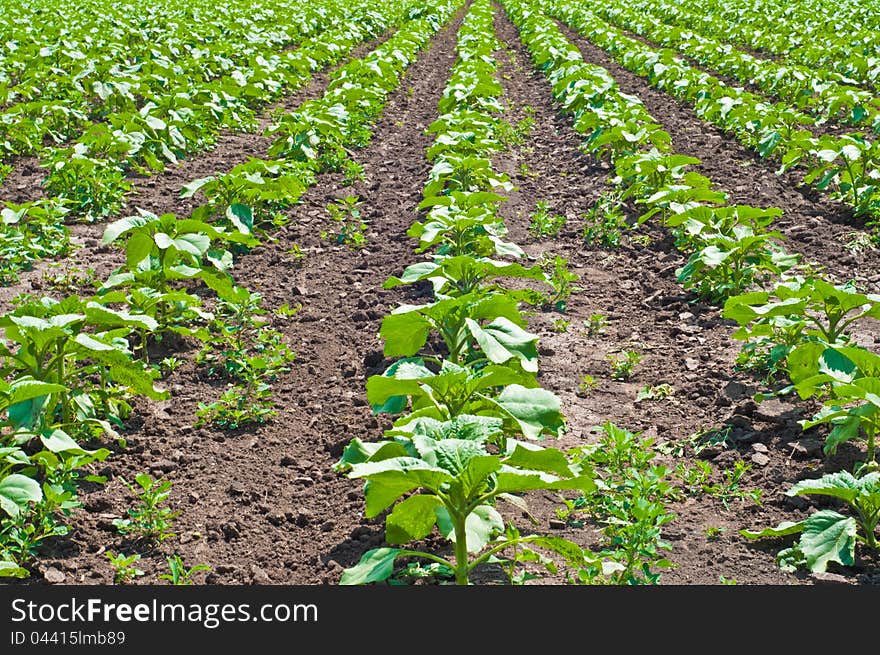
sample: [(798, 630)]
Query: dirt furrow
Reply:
[(263, 506), (683, 343)]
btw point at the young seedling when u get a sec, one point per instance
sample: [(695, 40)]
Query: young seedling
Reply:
[(170, 364), (587, 384), (561, 279), (623, 364), (658, 392), (714, 532), (596, 324), (123, 567), (354, 172), (347, 214), (544, 224), (297, 253), (180, 575), (729, 489), (561, 325), (148, 520), (605, 221)]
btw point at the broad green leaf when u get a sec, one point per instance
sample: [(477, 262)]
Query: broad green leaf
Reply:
[(375, 566), (16, 491), (828, 537), (12, 570), (782, 530), (502, 340), (534, 410), (412, 518), (481, 526)]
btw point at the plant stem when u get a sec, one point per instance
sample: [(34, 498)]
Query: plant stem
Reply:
[(461, 552)]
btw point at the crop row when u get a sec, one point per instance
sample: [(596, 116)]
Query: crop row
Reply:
[(801, 325), (88, 176), (810, 33), (847, 166), (69, 368), (823, 95)]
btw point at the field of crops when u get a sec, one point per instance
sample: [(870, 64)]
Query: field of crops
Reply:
[(439, 291)]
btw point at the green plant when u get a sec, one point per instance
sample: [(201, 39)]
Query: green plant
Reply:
[(624, 363), (123, 567), (347, 214), (694, 479), (657, 392), (727, 581), (180, 575), (714, 532), (354, 172), (729, 489), (561, 325), (286, 311), (544, 224), (238, 407), (630, 501), (561, 279), (30, 232), (170, 364), (148, 519), (596, 324), (297, 253), (457, 480), (605, 221), (826, 535), (587, 384), (515, 134), (69, 280)]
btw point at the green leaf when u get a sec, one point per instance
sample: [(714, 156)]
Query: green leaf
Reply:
[(12, 570), (404, 333), (502, 340), (841, 485), (529, 456), (534, 410), (828, 537), (29, 389), (16, 491), (782, 530), (412, 518), (375, 566), (481, 526)]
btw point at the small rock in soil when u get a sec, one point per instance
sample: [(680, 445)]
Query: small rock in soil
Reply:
[(759, 448), (556, 524), (259, 576), (53, 576), (760, 459), (829, 578)]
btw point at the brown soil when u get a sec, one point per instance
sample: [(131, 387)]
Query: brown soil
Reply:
[(263, 506)]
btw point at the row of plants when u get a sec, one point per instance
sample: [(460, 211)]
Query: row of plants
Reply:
[(807, 88), (464, 385), (839, 36), (64, 79), (71, 367), (805, 323), (265, 186), (848, 166), (90, 174)]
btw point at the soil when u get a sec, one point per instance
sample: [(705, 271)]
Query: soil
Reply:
[(263, 506)]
